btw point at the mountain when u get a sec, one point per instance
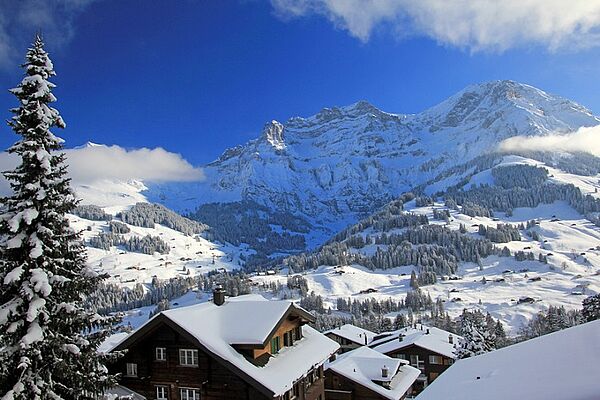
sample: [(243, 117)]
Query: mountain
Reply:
[(342, 163)]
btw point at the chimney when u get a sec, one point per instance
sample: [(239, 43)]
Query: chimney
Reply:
[(366, 340), (427, 332), (333, 357), (450, 339), (218, 295), (384, 372)]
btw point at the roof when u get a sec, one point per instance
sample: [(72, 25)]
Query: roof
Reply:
[(121, 392), (248, 320), (353, 333), (437, 340), (111, 342), (363, 366), (561, 365)]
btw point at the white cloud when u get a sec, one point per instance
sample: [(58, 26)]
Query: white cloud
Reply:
[(491, 25), (585, 139), (20, 20), (93, 163)]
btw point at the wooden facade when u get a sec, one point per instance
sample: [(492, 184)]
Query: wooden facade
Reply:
[(430, 363), (338, 387), (345, 343), (161, 347)]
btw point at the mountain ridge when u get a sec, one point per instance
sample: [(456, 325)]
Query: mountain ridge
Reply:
[(336, 165)]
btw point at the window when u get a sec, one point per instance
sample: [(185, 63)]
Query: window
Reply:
[(275, 345), (161, 393), (188, 357), (189, 394), (288, 339), (416, 362), (435, 360), (297, 334), (399, 355), (131, 369), (161, 354)]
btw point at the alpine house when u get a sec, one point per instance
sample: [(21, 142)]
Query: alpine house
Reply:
[(244, 347), (366, 374), (429, 349)]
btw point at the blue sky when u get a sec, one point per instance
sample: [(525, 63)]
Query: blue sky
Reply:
[(196, 77)]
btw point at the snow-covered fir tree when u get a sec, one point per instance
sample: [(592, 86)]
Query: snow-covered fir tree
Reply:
[(476, 337), (591, 308), (48, 341)]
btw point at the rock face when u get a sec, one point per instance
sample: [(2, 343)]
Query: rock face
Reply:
[(345, 162)]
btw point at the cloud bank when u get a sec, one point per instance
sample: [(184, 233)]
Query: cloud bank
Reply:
[(584, 139), (90, 164), (21, 19), (477, 25)]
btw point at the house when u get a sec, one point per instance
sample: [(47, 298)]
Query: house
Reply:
[(429, 349), (350, 337), (237, 348), (366, 374), (561, 365)]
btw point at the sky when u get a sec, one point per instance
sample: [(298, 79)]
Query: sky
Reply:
[(197, 77)]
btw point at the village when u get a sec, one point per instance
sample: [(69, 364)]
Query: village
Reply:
[(248, 347)]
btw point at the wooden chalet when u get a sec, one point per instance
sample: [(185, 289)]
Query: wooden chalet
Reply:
[(429, 349), (241, 348), (350, 337), (366, 374)]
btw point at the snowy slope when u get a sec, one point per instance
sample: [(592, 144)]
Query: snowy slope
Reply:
[(194, 254), (570, 242), (345, 162)]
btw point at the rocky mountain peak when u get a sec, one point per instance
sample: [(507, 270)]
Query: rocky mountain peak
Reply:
[(273, 133)]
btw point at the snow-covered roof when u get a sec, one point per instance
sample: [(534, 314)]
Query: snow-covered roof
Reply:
[(121, 392), (561, 365), (353, 333), (426, 337), (364, 366), (250, 320), (112, 341)]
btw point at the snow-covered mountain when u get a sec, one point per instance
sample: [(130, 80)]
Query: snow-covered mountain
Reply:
[(343, 163)]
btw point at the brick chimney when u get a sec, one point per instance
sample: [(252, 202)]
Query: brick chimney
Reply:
[(450, 339), (218, 295)]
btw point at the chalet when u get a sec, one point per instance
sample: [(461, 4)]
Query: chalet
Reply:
[(429, 349), (366, 374), (350, 337), (561, 365), (244, 347)]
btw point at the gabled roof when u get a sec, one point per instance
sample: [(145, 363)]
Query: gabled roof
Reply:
[(121, 392), (437, 340), (364, 366), (246, 320), (561, 365), (353, 333)]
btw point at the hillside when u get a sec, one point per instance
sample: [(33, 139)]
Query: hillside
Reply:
[(512, 263)]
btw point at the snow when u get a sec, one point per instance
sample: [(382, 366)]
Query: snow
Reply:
[(112, 341), (437, 340), (39, 280), (353, 333), (187, 253), (34, 334), (561, 365), (567, 274), (364, 366), (212, 326)]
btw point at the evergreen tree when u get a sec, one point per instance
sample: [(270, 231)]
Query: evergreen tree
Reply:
[(591, 308), (48, 341), (476, 338)]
